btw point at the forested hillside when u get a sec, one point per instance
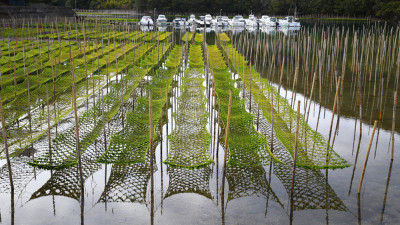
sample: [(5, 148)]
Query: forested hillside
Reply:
[(387, 9)]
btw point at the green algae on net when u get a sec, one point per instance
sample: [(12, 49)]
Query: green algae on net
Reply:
[(62, 152), (313, 151), (190, 140), (247, 147), (131, 144), (61, 92)]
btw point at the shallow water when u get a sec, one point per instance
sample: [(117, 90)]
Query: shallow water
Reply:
[(121, 194)]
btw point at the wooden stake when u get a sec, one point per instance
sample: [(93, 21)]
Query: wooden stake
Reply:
[(333, 112), (151, 138), (366, 157), (3, 125), (294, 160), (226, 142), (312, 91)]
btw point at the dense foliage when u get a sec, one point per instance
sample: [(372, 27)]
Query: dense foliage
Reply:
[(387, 9)]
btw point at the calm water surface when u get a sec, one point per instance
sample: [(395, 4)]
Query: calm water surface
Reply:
[(116, 194)]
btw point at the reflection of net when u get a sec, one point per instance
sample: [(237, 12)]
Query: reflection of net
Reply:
[(131, 144), (248, 181), (22, 174), (127, 183), (66, 182), (190, 140), (313, 151), (311, 190), (247, 147), (184, 180)]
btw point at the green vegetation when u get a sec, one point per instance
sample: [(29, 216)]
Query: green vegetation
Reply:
[(386, 9), (313, 150), (247, 147), (132, 143), (190, 140), (199, 38)]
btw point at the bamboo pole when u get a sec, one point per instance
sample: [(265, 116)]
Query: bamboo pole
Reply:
[(161, 112), (151, 138), (226, 141), (48, 118), (311, 94), (78, 148), (333, 112), (394, 110), (3, 125), (272, 119), (294, 161), (366, 157)]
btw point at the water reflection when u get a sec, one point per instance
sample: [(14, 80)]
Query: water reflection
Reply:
[(183, 180), (249, 181), (66, 182), (127, 183)]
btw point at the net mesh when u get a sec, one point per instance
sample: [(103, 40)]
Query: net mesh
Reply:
[(131, 144), (190, 140), (313, 151), (311, 190), (185, 180), (247, 147)]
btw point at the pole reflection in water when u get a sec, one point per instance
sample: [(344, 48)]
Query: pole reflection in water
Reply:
[(386, 189)]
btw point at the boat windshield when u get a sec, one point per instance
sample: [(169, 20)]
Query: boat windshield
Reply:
[(272, 19)]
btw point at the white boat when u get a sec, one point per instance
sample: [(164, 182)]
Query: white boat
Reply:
[(208, 19), (146, 21), (289, 21), (267, 21), (251, 21), (225, 20), (192, 20), (237, 21), (179, 22), (200, 22), (217, 21), (161, 20), (146, 28)]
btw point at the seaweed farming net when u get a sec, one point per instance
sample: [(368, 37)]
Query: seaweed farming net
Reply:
[(132, 143), (248, 181), (184, 180), (25, 118), (190, 140), (22, 175), (313, 150), (127, 183), (247, 147), (311, 190), (62, 151)]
